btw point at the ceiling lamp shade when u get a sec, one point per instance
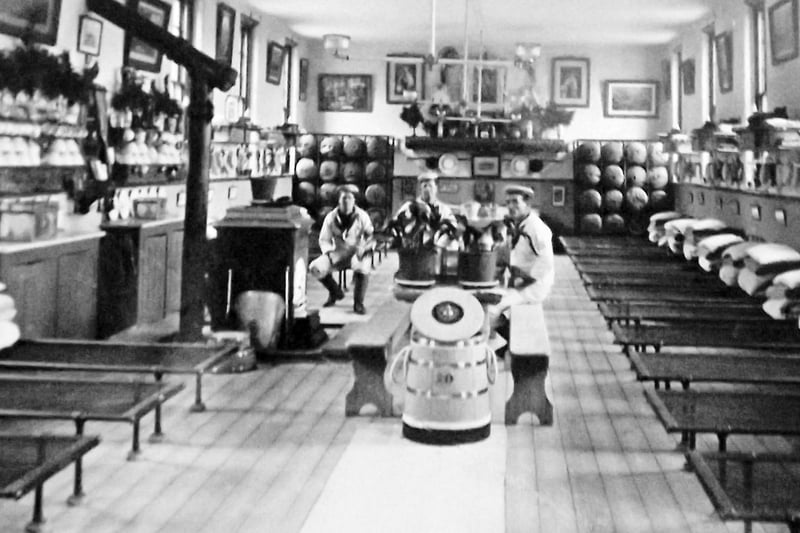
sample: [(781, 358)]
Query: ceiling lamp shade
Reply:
[(527, 52), (336, 42)]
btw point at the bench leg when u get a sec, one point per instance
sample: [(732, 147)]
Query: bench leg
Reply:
[(198, 405), (529, 394), (157, 435), (77, 489), (368, 387), (36, 525), (134, 453)]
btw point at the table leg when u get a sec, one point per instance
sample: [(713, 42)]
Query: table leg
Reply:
[(36, 525), (198, 406), (134, 453), (77, 490), (157, 435)]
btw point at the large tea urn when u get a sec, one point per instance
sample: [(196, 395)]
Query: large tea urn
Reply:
[(263, 248)]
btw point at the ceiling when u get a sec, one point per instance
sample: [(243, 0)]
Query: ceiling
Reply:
[(497, 23)]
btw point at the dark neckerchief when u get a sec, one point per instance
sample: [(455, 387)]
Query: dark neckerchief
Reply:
[(345, 221), (517, 233)]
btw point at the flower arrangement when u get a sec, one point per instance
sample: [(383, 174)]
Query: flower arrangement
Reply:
[(417, 226)]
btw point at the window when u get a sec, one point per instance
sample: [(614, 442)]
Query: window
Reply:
[(246, 60), (182, 25), (711, 66), (759, 53), (286, 81)]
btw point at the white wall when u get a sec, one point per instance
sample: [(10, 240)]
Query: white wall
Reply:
[(606, 63)]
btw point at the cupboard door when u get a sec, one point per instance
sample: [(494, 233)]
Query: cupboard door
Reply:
[(77, 295), (33, 287), (174, 265), (152, 278)]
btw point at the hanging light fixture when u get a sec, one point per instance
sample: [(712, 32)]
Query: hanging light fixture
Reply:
[(338, 43), (525, 56)]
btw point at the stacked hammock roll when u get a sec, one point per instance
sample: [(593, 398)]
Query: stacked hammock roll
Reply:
[(655, 230), (696, 232), (783, 296), (763, 262), (710, 249), (733, 261), (672, 229), (9, 331)]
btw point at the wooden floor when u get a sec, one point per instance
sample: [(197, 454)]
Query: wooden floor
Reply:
[(261, 458)]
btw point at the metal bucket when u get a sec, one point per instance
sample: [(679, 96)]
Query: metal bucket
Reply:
[(446, 395), (417, 267), (477, 269)]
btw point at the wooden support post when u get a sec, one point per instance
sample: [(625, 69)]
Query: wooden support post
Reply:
[(193, 289)]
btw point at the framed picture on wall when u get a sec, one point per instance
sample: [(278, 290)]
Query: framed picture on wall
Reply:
[(275, 54), (345, 92), (492, 85), (687, 74), (226, 22), (724, 48), (16, 18), (486, 166), (570, 81), (303, 80), (405, 80), (559, 194), (630, 99), (138, 54), (783, 24), (90, 32)]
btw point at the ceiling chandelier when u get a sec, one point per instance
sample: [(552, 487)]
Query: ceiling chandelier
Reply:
[(337, 43)]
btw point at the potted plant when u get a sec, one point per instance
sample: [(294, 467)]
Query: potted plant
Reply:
[(477, 256), (416, 230)]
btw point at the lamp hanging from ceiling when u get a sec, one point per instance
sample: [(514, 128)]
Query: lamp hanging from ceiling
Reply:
[(525, 55), (338, 43)]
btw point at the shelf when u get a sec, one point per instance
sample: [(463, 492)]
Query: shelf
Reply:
[(541, 148), (39, 179)]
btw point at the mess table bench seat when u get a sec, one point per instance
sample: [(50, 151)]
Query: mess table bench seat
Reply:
[(27, 461), (690, 367), (726, 413), (690, 280), (103, 356), (529, 359), (718, 294), (369, 347), (776, 336), (83, 400), (675, 312), (627, 268), (760, 487)]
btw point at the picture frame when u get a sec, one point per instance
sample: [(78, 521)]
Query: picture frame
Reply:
[(15, 19), (345, 93), (90, 35), (486, 166), (226, 26), (666, 78), (492, 85), (402, 76), (275, 53), (559, 196), (233, 108), (783, 31), (302, 94), (570, 79), (688, 75), (723, 43), (138, 54), (630, 99)]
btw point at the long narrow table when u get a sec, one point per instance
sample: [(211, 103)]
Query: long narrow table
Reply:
[(81, 400), (622, 267), (762, 487), (654, 278), (761, 367), (776, 336), (726, 413), (636, 312), (720, 294), (27, 461), (103, 356)]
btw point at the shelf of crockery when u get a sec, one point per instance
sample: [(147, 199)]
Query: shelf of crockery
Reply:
[(148, 174), (39, 179), (539, 147)]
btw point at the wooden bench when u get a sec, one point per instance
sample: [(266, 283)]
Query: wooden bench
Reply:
[(27, 461), (529, 359), (777, 336), (717, 294), (686, 368), (726, 413), (635, 312), (369, 347), (650, 279), (760, 487)]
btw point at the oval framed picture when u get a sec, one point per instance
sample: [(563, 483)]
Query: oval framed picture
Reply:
[(448, 163)]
